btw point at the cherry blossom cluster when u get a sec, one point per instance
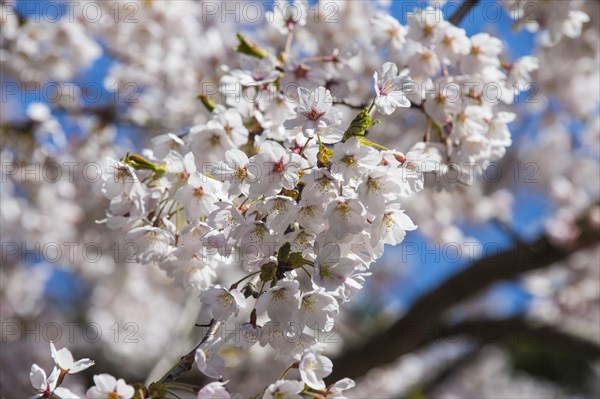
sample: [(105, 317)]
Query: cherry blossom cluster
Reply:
[(460, 84), (556, 19), (305, 215), (39, 51), (279, 181), (312, 367), (106, 386), (276, 202)]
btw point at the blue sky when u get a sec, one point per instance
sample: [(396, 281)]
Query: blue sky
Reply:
[(508, 297)]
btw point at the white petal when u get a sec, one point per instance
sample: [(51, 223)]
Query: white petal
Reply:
[(37, 376)]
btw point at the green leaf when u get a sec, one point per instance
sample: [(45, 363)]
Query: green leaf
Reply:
[(324, 155), (296, 260), (207, 102), (268, 272), (249, 48), (360, 124), (284, 252), (140, 163)]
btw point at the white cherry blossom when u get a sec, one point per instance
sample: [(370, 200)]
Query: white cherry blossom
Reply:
[(388, 32), (335, 390), (64, 360), (199, 196), (107, 386), (345, 216), (390, 89), (281, 301), (214, 390), (208, 359), (284, 389), (236, 172), (223, 302), (277, 169), (313, 368), (46, 386), (315, 112), (391, 226), (317, 310)]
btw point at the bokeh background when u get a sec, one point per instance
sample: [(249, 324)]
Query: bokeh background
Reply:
[(497, 293)]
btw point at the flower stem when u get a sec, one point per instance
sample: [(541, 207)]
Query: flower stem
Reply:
[(234, 285), (371, 106), (291, 366), (288, 42), (305, 145)]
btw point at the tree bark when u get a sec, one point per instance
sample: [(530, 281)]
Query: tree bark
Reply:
[(417, 327)]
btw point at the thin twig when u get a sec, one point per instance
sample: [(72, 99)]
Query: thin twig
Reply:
[(350, 105), (185, 363)]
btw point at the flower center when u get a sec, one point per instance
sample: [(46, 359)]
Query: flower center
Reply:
[(343, 210), (325, 272), (348, 160), (122, 173), (428, 30), (279, 295), (259, 232), (385, 89), (225, 298), (447, 41), (308, 303), (279, 166), (240, 173), (373, 185), (426, 56), (309, 211), (388, 222), (214, 140), (310, 364), (314, 114)]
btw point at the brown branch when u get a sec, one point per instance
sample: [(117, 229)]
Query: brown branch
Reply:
[(185, 363), (429, 386), (517, 329), (462, 11), (407, 334)]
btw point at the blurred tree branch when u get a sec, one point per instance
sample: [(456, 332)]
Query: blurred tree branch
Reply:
[(462, 11), (413, 330), (515, 330), (518, 329), (428, 387)]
